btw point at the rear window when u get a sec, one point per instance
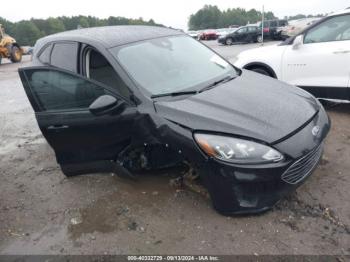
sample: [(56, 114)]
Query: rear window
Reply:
[(64, 55), (44, 55)]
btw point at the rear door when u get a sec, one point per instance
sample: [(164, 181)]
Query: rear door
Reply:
[(82, 141), (273, 28), (321, 65), (253, 34)]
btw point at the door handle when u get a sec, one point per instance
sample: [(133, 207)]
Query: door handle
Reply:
[(341, 52), (57, 127)]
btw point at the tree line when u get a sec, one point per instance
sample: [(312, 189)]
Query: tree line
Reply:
[(26, 32), (212, 17)]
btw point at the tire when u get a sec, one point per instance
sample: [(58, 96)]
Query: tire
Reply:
[(260, 70), (229, 41), (259, 39), (16, 54)]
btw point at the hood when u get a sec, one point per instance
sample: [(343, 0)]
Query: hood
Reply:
[(251, 105)]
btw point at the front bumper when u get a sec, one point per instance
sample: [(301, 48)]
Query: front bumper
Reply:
[(222, 40), (242, 189)]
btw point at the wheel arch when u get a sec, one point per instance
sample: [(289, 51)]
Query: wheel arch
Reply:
[(261, 65), (227, 38)]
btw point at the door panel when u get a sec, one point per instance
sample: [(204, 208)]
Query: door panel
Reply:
[(252, 34), (317, 64), (78, 137), (241, 34), (322, 63), (60, 100)]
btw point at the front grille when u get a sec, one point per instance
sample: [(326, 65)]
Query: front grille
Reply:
[(302, 167)]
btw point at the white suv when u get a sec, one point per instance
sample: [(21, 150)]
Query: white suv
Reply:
[(317, 59)]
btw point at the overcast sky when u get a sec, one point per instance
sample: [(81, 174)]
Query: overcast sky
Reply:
[(173, 13)]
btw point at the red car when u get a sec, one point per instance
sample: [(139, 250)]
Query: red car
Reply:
[(209, 35)]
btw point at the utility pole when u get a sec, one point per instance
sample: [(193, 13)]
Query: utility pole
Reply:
[(262, 26)]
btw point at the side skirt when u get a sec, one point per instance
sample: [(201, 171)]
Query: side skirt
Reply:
[(88, 168), (341, 93)]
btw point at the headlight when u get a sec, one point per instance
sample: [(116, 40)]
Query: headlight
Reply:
[(237, 150)]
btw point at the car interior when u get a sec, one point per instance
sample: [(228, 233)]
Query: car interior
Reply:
[(100, 70)]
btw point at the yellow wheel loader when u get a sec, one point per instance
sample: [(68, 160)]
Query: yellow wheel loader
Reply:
[(9, 48)]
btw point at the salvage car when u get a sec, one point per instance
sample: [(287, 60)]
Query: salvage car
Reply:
[(244, 34), (209, 34), (126, 98), (317, 59)]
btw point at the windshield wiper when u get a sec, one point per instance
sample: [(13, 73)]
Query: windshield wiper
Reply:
[(193, 92), (176, 93), (212, 85)]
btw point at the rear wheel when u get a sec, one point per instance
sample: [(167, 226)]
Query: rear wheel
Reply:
[(16, 54), (229, 41), (259, 39)]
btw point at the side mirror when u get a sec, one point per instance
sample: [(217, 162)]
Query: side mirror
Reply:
[(298, 41), (105, 104)]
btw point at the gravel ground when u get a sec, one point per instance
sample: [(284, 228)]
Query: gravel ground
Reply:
[(42, 212)]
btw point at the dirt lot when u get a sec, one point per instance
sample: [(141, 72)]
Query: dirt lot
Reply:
[(42, 212)]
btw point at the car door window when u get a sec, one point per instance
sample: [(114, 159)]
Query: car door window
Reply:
[(242, 30), (345, 35), (57, 90), (64, 55), (252, 29), (333, 29), (273, 24), (100, 70)]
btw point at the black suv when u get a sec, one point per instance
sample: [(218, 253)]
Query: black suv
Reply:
[(128, 98), (272, 28), (244, 34)]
